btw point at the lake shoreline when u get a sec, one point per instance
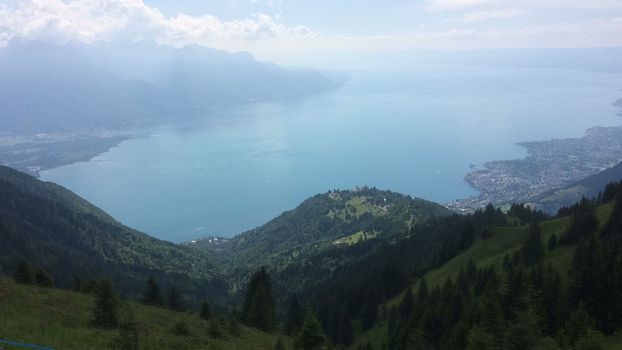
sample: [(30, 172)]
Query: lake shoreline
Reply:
[(33, 153)]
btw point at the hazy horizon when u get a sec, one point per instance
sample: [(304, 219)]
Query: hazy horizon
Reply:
[(311, 33)]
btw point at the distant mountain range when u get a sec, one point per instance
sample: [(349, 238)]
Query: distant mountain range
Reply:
[(46, 87)]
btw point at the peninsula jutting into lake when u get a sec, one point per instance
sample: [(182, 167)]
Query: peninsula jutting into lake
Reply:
[(549, 165)]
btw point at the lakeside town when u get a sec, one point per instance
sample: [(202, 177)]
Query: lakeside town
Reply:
[(549, 165)]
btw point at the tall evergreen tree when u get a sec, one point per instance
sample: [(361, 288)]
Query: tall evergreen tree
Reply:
[(76, 284), (294, 318), (311, 336), (584, 222), (279, 345), (205, 312), (174, 299), (234, 326), (43, 279), (23, 273), (152, 295), (259, 309), (105, 312), (532, 251), (613, 227), (127, 339)]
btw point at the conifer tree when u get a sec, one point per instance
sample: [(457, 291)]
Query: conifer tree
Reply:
[(584, 222), (205, 312), (552, 242), (151, 295), (174, 299), (532, 251), (259, 309), (23, 273), (234, 326), (294, 317), (279, 345), (311, 336), (76, 284), (42, 279), (345, 332), (105, 312), (127, 339)]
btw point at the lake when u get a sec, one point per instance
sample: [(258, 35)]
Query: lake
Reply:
[(416, 132)]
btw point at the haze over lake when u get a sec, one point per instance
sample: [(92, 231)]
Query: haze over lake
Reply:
[(416, 132)]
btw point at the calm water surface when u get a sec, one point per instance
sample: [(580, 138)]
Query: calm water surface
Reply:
[(414, 132)]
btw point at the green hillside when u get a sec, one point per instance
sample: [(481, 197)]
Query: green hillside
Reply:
[(55, 230), (61, 319), (320, 224), (492, 252)]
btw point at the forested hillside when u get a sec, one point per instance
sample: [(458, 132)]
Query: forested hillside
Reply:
[(550, 284), (323, 233), (355, 269), (56, 231)]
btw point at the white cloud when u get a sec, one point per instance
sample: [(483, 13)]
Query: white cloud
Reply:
[(459, 5), (91, 20), (454, 5), (478, 16)]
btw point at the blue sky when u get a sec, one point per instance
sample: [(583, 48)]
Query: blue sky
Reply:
[(286, 30)]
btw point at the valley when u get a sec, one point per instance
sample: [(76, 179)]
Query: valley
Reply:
[(352, 257), (310, 175)]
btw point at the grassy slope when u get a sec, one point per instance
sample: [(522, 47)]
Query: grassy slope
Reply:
[(60, 319), (491, 251)]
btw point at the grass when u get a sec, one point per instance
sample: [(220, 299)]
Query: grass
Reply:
[(60, 319), (356, 207), (355, 238)]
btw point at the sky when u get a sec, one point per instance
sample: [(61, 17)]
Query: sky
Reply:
[(289, 30)]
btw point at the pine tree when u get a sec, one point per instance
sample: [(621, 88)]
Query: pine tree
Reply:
[(552, 242), (523, 334), (279, 345), (23, 273), (105, 312), (532, 251), (205, 312), (407, 304), (127, 339), (174, 300), (42, 279), (259, 308), (311, 336), (294, 317), (613, 227), (234, 326), (345, 332), (584, 222), (76, 284), (580, 326), (480, 339), (151, 295), (369, 312)]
